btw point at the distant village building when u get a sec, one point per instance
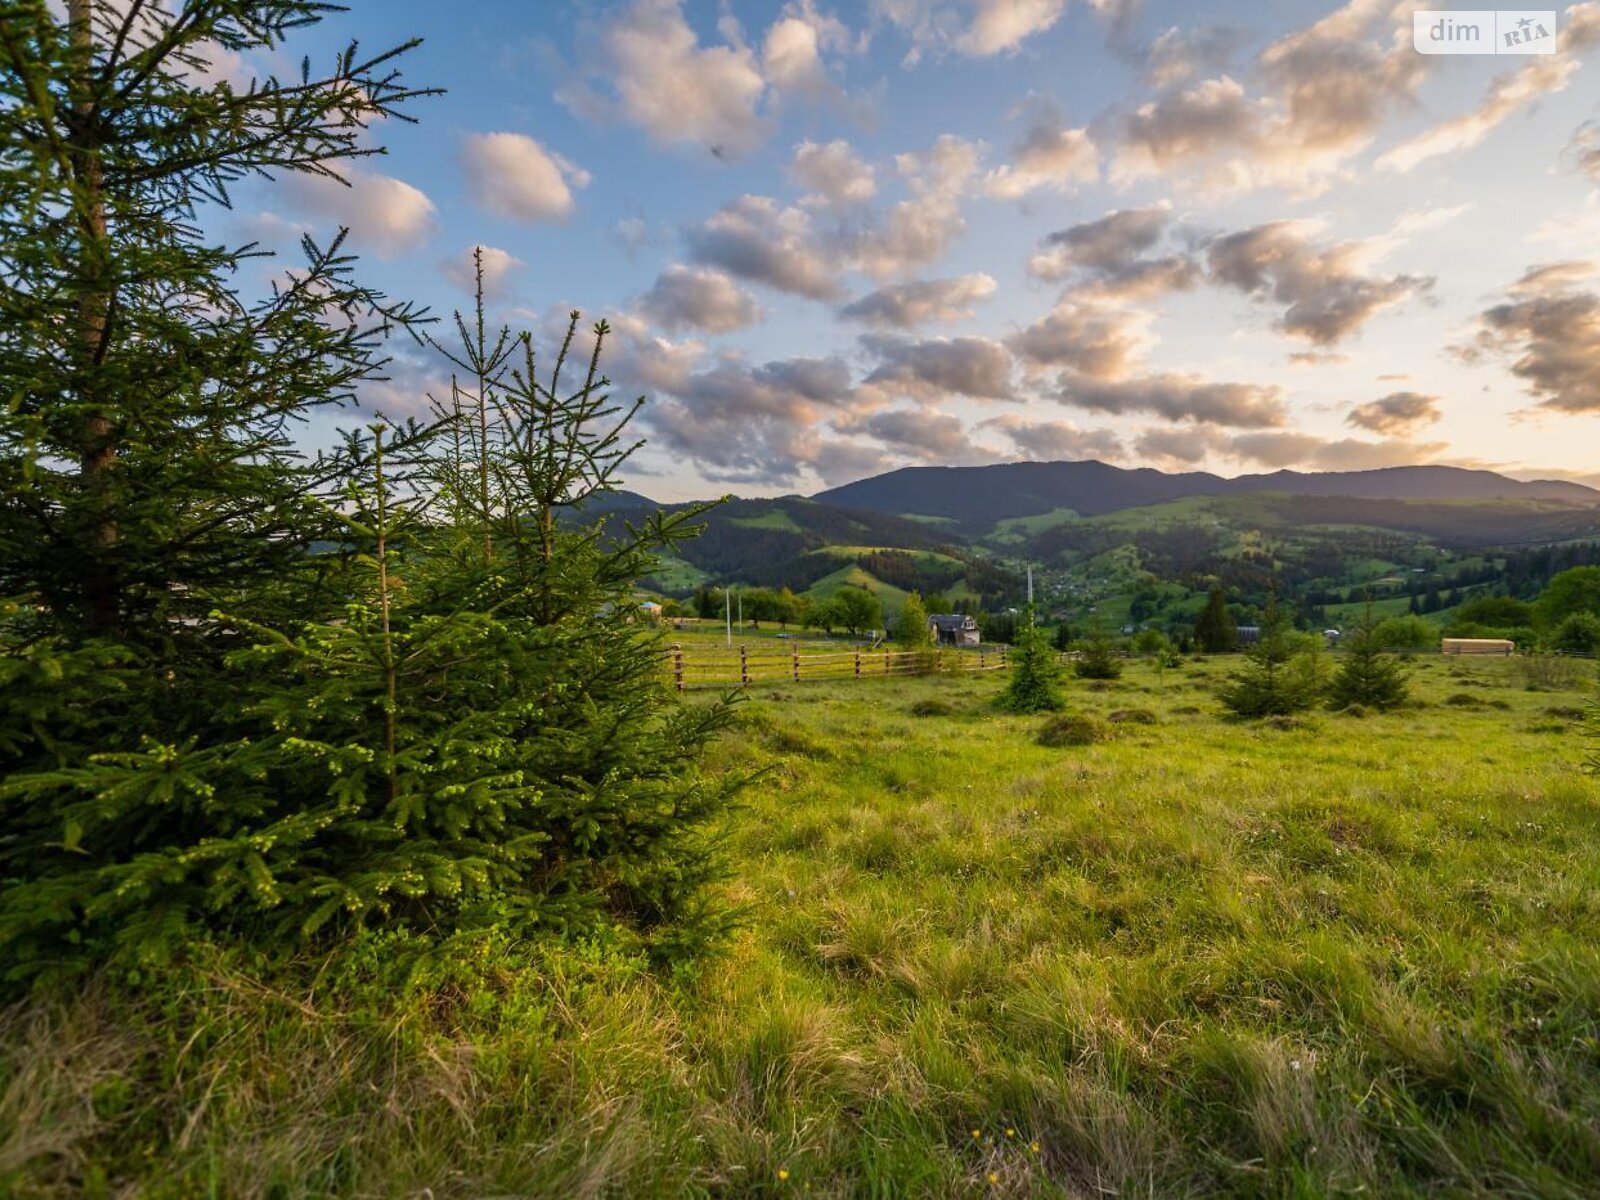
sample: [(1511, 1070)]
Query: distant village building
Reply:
[(954, 629), (1249, 635), (1332, 636), (647, 609)]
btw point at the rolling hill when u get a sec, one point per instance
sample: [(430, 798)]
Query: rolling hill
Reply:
[(978, 499), (806, 546), (1099, 533)]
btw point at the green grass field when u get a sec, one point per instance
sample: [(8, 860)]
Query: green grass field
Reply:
[(775, 518), (1013, 530), (1345, 956), (675, 575)]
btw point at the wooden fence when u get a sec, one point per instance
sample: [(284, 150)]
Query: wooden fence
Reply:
[(741, 666)]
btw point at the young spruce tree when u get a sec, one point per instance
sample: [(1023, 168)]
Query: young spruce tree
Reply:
[(148, 472), (1035, 684), (1368, 675), (245, 694), (1268, 685), (1215, 630)]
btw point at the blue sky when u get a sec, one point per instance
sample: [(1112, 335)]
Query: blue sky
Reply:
[(837, 238)]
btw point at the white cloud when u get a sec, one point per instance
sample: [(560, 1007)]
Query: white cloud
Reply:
[(387, 215), (1178, 397), (1002, 25), (1324, 296), (1538, 77), (1055, 441), (979, 28), (1399, 414), (698, 298), (498, 266), (513, 176), (1098, 342), (672, 87), (1548, 326), (905, 305), (1180, 53), (832, 173), (756, 240), (1324, 92), (1289, 449), (935, 368), (792, 52), (1049, 155), (1583, 151), (917, 232), (1106, 245), (757, 424)]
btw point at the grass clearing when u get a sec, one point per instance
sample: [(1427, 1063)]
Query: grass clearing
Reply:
[(1194, 957), (776, 518)]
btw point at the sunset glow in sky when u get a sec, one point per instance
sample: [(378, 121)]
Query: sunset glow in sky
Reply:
[(836, 238)]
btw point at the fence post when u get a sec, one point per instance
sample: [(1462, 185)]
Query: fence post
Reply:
[(938, 661), (796, 652), (744, 667), (983, 658), (858, 662), (677, 666), (1003, 650)]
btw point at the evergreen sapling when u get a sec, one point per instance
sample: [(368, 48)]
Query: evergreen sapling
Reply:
[(1368, 675), (1269, 684), (1035, 684)]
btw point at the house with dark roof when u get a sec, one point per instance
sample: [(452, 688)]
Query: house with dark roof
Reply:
[(954, 629)]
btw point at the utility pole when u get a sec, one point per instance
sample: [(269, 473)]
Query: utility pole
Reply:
[(727, 597), (1030, 583), (741, 612)]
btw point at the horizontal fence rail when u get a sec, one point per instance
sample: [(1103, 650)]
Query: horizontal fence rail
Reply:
[(740, 667), (689, 667)]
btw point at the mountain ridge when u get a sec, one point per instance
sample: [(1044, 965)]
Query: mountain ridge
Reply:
[(984, 495)]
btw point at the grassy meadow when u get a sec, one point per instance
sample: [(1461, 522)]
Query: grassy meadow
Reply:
[(1333, 956)]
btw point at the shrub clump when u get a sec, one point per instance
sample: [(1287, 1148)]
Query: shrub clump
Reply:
[(1578, 634), (1132, 716), (1074, 729), (933, 708), (1542, 671), (1098, 658)]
